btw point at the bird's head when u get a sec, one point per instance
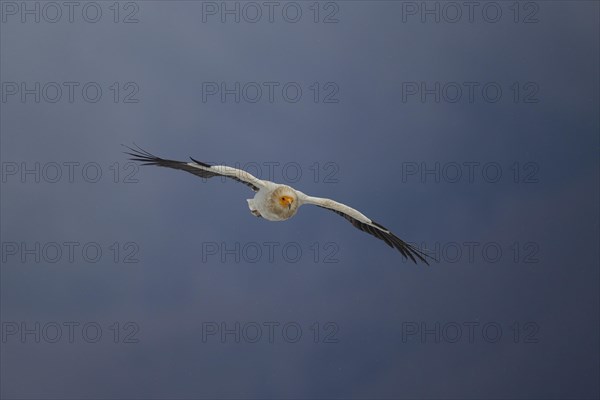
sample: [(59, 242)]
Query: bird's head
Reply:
[(285, 201)]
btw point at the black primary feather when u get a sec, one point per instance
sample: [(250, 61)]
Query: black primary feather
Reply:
[(406, 249), (145, 158)]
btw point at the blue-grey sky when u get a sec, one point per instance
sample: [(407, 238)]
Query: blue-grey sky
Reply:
[(475, 136)]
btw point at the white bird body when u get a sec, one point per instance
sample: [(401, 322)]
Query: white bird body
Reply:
[(262, 203), (277, 202)]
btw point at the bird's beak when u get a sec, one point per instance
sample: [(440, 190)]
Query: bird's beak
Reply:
[(287, 201)]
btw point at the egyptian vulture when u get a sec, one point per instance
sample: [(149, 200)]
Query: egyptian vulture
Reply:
[(276, 202)]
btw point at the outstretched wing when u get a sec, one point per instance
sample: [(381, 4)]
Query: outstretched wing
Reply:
[(360, 221), (196, 167)]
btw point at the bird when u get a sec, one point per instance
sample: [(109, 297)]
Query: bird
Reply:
[(278, 202)]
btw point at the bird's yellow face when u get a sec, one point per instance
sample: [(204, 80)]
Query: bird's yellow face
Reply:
[(286, 201)]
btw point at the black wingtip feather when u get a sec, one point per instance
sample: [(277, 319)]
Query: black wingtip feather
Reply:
[(141, 155), (406, 249), (146, 158), (382, 233), (200, 163)]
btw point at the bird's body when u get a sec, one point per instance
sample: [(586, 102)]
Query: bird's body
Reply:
[(276, 202)]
